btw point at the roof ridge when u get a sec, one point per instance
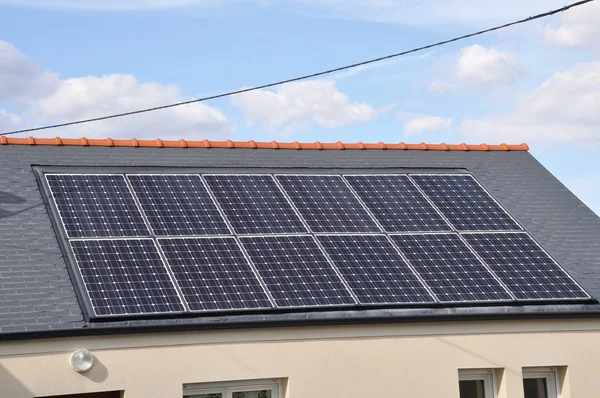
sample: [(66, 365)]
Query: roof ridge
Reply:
[(159, 143)]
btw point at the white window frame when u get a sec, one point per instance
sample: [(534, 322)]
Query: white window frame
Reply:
[(226, 389), (487, 375), (548, 373)]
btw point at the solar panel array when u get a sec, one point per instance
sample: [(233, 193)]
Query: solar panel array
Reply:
[(145, 244)]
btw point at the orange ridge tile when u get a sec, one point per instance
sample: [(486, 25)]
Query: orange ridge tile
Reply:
[(158, 143)]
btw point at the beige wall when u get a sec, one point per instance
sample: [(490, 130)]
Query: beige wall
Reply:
[(394, 360)]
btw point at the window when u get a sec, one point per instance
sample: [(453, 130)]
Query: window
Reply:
[(476, 383), (539, 383), (238, 389)]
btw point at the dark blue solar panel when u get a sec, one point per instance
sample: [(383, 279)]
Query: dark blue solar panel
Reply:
[(296, 272), (449, 268), (213, 274), (124, 277), (96, 206), (397, 204), (374, 270), (327, 204), (254, 204), (177, 205), (524, 267), (465, 203)]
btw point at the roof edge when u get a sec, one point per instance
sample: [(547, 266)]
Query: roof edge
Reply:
[(349, 317), (158, 143)]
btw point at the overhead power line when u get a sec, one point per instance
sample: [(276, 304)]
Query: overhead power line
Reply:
[(295, 79)]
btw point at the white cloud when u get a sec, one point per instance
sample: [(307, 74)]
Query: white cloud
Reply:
[(296, 106), (417, 124), (20, 76), (9, 121), (578, 27), (480, 65), (94, 96), (43, 98), (441, 87), (564, 109)]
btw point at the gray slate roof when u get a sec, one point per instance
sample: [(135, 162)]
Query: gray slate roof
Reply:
[(36, 293)]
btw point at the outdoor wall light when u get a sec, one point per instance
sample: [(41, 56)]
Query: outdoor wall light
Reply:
[(82, 360)]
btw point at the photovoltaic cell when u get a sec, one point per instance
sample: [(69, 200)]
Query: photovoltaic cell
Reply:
[(177, 205), (524, 267), (124, 277), (93, 206), (373, 269), (327, 204), (397, 204), (449, 268), (295, 271), (213, 274), (465, 203), (254, 204)]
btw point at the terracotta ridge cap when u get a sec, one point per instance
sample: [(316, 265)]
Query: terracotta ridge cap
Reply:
[(182, 143)]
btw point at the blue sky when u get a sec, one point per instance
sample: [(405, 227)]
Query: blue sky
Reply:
[(537, 83)]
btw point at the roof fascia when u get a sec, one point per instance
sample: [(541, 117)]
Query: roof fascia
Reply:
[(379, 316)]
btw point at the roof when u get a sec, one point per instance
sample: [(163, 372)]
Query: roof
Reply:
[(38, 298)]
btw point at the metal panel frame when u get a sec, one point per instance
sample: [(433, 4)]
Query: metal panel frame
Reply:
[(411, 181), (175, 287), (352, 192), (452, 233), (279, 187), (402, 257), (523, 232), (342, 280), (486, 191), (172, 174), (53, 198), (250, 266)]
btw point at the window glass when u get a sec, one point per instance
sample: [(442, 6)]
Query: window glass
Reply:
[(235, 389), (536, 388), (472, 389), (252, 394)]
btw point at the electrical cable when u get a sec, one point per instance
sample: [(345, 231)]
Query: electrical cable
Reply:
[(305, 77)]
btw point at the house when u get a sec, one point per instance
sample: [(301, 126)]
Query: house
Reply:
[(204, 269)]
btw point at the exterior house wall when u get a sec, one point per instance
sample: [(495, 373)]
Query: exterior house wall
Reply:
[(391, 360)]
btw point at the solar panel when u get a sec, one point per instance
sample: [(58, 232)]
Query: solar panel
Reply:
[(465, 203), (177, 205), (327, 204), (524, 267), (124, 277), (373, 269), (254, 204), (174, 243), (213, 274), (449, 268), (295, 271), (396, 203), (93, 206)]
